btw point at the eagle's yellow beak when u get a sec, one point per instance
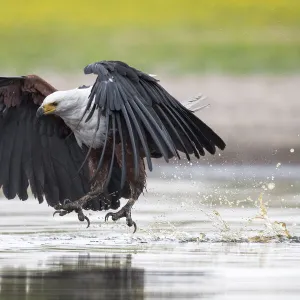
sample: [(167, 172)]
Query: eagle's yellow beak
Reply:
[(46, 110)]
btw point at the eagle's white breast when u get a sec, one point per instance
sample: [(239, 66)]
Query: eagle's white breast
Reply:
[(85, 133)]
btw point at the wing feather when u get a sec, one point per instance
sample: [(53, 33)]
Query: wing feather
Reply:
[(141, 134), (33, 152), (189, 132), (132, 141), (104, 147), (150, 122), (181, 146), (113, 117), (152, 130), (9, 163), (123, 149)]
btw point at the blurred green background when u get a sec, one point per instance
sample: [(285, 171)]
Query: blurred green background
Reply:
[(232, 36)]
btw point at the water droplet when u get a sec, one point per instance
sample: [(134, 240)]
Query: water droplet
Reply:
[(271, 185)]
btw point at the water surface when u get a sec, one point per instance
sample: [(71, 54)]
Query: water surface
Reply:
[(211, 233)]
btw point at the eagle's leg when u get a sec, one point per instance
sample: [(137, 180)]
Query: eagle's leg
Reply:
[(96, 190), (136, 187)]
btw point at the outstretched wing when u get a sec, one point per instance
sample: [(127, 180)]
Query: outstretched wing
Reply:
[(140, 114), (33, 151)]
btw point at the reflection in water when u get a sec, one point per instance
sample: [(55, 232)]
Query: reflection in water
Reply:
[(87, 278), (185, 271)]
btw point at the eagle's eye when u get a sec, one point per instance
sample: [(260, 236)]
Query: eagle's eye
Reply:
[(54, 103)]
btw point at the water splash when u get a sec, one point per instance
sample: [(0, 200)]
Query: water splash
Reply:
[(257, 228), (273, 231)]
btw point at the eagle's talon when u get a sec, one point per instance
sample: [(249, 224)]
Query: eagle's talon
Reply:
[(88, 221), (56, 212), (130, 223), (107, 216), (82, 217), (67, 207), (122, 213), (134, 225)]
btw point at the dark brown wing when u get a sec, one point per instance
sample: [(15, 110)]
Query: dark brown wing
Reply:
[(12, 89), (36, 152)]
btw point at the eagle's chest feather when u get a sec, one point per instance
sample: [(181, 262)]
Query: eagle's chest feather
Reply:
[(85, 132)]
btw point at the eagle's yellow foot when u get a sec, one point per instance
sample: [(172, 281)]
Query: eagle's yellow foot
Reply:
[(124, 212), (68, 207)]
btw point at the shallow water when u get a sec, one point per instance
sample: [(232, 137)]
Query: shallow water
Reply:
[(209, 232)]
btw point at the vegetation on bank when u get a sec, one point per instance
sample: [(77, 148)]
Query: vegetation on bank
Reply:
[(234, 36)]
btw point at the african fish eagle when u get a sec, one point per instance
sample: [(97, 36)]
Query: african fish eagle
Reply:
[(85, 148)]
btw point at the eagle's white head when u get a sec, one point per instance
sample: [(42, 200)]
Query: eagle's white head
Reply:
[(65, 103), (70, 106)]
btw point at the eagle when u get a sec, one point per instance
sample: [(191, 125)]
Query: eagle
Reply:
[(87, 148)]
